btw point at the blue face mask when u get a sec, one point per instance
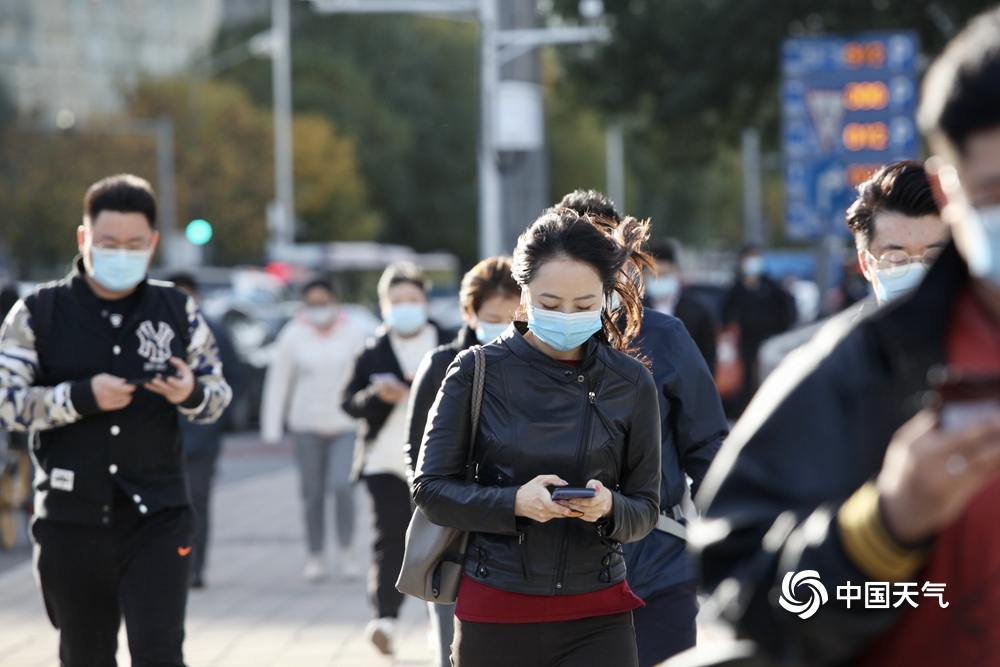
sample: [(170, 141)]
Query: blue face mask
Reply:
[(891, 284), (664, 287), (487, 331), (563, 331), (406, 318), (984, 241), (118, 270)]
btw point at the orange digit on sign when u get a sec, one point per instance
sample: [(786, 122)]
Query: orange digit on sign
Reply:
[(866, 96), (856, 174), (864, 54), (866, 136)]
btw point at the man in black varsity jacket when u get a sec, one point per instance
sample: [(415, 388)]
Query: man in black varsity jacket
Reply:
[(97, 366)]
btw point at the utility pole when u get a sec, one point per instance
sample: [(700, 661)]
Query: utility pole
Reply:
[(614, 141), (753, 216), (523, 169), (281, 215), (523, 196)]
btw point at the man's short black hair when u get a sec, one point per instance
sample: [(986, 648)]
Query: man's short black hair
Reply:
[(321, 282), (401, 272), (961, 91), (591, 202), (663, 250), (123, 193), (898, 187), (184, 281)]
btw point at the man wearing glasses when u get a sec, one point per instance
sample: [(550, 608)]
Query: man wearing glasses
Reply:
[(874, 460), (897, 228), (97, 367)]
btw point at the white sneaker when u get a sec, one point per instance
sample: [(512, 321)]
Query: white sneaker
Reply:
[(350, 568), (315, 570), (380, 632)]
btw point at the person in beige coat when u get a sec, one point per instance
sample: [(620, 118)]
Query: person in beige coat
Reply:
[(313, 354)]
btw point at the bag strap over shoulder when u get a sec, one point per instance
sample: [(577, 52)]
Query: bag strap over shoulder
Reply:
[(478, 384), (475, 405)]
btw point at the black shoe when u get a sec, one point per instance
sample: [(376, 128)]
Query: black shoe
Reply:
[(196, 581)]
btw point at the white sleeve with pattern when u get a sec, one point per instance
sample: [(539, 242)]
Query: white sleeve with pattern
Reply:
[(204, 360), (23, 406)]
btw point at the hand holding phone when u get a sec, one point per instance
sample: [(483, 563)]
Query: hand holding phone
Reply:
[(566, 493), (388, 387), (965, 399), (139, 381)]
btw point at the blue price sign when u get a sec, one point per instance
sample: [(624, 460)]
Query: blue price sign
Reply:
[(848, 106)]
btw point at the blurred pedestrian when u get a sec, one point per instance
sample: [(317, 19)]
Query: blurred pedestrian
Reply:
[(203, 442), (489, 297), (665, 293), (377, 394), (759, 308), (564, 405), (692, 427), (897, 228), (310, 367), (8, 297), (867, 472), (98, 365)]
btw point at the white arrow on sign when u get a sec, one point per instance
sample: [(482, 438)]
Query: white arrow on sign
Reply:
[(826, 108)]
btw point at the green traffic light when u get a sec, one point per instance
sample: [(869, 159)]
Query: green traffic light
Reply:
[(199, 232)]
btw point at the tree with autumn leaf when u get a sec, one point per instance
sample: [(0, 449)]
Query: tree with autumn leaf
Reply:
[(223, 146)]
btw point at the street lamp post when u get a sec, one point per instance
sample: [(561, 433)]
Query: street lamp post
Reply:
[(281, 222)]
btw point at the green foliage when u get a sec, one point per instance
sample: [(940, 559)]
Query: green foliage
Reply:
[(406, 89), (223, 147), (575, 136), (42, 181), (704, 70), (691, 74)]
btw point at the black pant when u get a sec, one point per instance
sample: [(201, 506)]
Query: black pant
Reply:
[(92, 576), (586, 642), (666, 625), (391, 510), (200, 471)]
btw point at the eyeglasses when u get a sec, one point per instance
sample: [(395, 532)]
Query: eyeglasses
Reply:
[(897, 262), (110, 245)]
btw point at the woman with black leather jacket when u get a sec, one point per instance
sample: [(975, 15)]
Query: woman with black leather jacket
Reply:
[(564, 405), (489, 297)]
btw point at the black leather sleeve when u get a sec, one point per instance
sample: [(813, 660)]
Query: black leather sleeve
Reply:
[(423, 391), (440, 489), (637, 503)]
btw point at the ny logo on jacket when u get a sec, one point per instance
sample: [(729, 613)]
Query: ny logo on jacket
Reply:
[(154, 344)]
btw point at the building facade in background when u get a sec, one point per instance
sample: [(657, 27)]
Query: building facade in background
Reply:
[(84, 55)]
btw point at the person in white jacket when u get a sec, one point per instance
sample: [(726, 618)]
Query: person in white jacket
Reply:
[(313, 354)]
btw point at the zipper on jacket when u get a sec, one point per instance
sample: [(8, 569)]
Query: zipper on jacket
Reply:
[(600, 413), (581, 453), (525, 570), (607, 425)]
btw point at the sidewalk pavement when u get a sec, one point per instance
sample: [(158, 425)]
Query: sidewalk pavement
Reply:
[(256, 610)]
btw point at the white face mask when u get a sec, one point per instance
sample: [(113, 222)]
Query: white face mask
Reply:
[(753, 266), (890, 284), (984, 241), (320, 316)]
